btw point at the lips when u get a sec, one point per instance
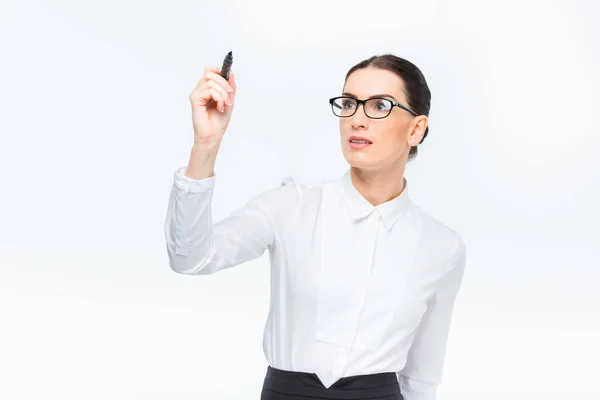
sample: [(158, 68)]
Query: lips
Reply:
[(358, 146), (360, 138)]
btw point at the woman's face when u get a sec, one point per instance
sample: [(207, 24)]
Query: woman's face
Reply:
[(390, 135)]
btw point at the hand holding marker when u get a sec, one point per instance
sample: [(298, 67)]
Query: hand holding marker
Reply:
[(213, 92)]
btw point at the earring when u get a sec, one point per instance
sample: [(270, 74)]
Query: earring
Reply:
[(412, 142)]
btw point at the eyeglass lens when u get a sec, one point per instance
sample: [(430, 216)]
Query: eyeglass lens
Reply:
[(374, 108)]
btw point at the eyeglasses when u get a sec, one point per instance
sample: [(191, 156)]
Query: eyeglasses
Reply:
[(375, 108)]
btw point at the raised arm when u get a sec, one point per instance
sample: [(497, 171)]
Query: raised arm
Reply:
[(197, 246)]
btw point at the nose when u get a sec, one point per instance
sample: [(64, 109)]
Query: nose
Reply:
[(359, 118)]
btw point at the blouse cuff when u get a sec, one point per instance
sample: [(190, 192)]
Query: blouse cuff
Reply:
[(190, 185)]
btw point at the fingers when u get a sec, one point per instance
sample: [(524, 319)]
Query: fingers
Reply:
[(214, 86), (220, 89), (214, 74), (218, 98), (202, 95), (232, 81), (220, 80)]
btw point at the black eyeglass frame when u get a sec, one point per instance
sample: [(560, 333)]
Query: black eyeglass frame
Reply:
[(363, 102)]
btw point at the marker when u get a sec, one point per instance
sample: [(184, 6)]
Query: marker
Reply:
[(227, 62)]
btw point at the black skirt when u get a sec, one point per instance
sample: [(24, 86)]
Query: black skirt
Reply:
[(293, 385)]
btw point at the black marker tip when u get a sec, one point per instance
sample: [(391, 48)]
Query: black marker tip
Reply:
[(227, 62)]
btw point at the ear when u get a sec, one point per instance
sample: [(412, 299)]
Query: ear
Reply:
[(419, 125)]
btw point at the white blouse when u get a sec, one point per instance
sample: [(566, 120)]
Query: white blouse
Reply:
[(355, 288)]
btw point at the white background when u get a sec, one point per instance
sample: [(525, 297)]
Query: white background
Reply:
[(95, 118)]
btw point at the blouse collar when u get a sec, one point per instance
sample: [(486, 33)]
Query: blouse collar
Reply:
[(360, 207)]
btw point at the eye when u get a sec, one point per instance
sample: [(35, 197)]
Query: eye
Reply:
[(382, 105), (348, 102)]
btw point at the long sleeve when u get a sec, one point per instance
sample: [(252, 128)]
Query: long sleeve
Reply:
[(197, 246), (422, 373)]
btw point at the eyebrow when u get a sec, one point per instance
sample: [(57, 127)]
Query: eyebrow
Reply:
[(370, 97)]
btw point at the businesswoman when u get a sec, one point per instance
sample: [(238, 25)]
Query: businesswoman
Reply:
[(363, 280)]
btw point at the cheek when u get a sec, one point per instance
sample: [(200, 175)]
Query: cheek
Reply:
[(389, 146), (393, 135), (392, 143), (344, 124)]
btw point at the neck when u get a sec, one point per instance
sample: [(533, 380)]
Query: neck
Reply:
[(378, 186)]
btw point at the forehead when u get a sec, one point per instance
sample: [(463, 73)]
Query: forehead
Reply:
[(369, 81)]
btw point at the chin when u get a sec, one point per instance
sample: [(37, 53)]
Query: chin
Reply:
[(361, 161)]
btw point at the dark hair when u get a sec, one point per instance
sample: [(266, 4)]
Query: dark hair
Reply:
[(417, 92)]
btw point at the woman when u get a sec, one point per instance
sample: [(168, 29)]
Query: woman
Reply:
[(363, 281)]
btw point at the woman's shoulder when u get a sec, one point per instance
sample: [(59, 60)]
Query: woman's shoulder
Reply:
[(289, 198), (303, 184), (299, 196), (303, 188), (440, 233)]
